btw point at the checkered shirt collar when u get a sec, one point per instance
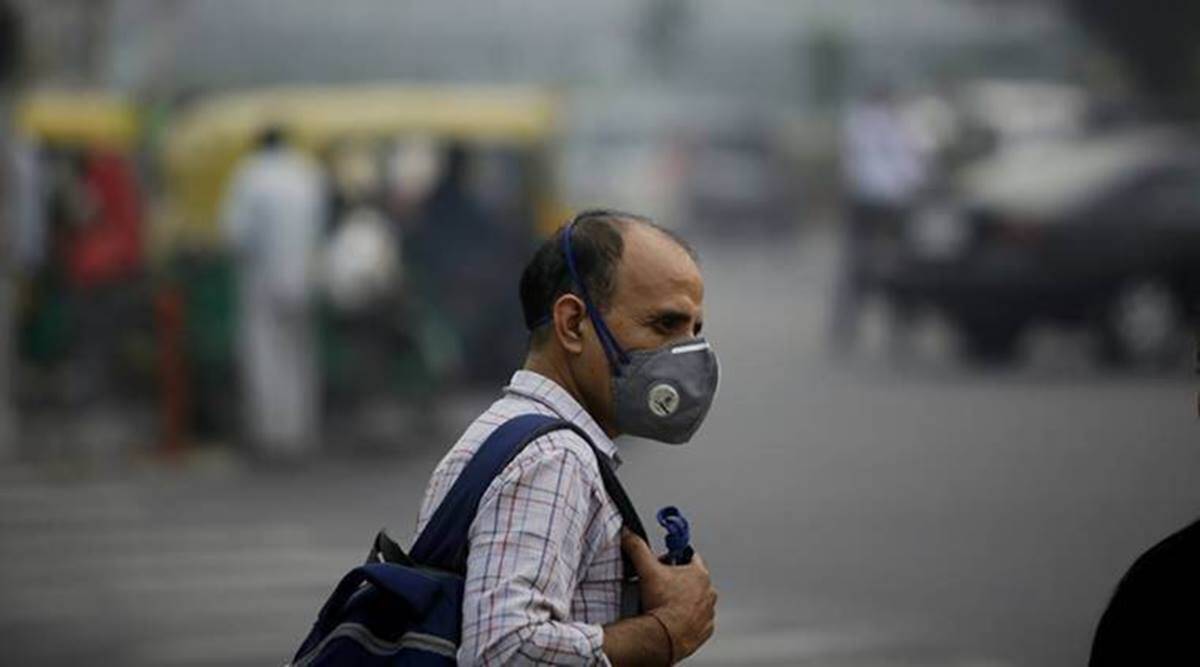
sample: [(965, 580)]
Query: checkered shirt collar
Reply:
[(542, 389)]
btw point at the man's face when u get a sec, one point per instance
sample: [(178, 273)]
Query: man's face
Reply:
[(658, 299)]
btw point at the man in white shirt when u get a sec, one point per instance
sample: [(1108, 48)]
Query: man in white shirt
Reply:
[(884, 171), (273, 219), (10, 55)]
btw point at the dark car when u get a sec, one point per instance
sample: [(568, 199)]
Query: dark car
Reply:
[(1097, 233)]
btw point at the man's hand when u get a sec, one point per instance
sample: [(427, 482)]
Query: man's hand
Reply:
[(681, 596)]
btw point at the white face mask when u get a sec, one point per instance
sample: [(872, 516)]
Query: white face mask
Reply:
[(663, 394)]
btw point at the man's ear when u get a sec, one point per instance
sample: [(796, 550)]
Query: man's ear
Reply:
[(569, 315)]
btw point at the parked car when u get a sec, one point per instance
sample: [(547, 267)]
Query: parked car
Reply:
[(1102, 233)]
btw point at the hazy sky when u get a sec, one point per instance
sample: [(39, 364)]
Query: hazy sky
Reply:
[(740, 42)]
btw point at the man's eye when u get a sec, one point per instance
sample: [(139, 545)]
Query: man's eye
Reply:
[(667, 325)]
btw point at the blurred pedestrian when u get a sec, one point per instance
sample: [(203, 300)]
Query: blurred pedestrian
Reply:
[(456, 252), (273, 217), (1151, 619), (884, 171), (361, 258), (614, 305), (11, 44), (363, 281)]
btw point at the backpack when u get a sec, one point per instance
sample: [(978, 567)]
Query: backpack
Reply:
[(402, 609)]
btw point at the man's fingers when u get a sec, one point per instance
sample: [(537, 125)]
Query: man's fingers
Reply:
[(698, 561), (638, 551)]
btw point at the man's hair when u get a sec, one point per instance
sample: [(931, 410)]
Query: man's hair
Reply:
[(272, 136), (597, 245), (12, 43)]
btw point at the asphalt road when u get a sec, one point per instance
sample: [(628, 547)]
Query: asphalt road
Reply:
[(854, 512)]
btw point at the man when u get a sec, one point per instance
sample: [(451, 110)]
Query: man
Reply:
[(606, 298), (273, 221), (884, 171), (1151, 619), (11, 44)]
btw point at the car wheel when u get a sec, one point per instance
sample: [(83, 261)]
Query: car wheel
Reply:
[(1141, 325), (991, 343)]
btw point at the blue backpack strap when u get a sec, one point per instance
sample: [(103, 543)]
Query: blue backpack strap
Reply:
[(443, 542)]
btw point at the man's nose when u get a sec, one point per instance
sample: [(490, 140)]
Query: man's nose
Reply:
[(681, 337)]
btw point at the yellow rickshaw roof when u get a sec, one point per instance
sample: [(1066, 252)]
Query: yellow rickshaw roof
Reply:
[(79, 118), (317, 115)]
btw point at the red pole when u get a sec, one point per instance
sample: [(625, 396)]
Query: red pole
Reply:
[(170, 317)]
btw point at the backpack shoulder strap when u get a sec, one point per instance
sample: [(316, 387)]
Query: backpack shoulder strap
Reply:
[(443, 542), (616, 492)]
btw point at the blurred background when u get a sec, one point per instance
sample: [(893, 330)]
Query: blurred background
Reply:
[(952, 249)]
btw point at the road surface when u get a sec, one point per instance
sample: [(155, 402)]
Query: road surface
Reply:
[(854, 512)]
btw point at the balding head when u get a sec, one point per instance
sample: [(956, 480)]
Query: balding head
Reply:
[(598, 242), (644, 281)]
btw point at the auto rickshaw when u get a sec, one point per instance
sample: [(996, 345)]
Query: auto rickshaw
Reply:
[(82, 238), (79, 118), (451, 334), (87, 301), (206, 142)]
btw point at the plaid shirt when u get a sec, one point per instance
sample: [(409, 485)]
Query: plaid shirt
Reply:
[(544, 566)]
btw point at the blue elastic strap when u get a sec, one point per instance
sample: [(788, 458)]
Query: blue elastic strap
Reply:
[(443, 542), (616, 356)]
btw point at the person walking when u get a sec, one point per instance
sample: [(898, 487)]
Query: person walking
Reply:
[(11, 34), (614, 306), (884, 171), (273, 219)]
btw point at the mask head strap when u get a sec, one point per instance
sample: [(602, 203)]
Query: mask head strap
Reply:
[(616, 356)]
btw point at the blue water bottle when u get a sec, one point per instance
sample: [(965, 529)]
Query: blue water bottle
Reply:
[(679, 548)]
